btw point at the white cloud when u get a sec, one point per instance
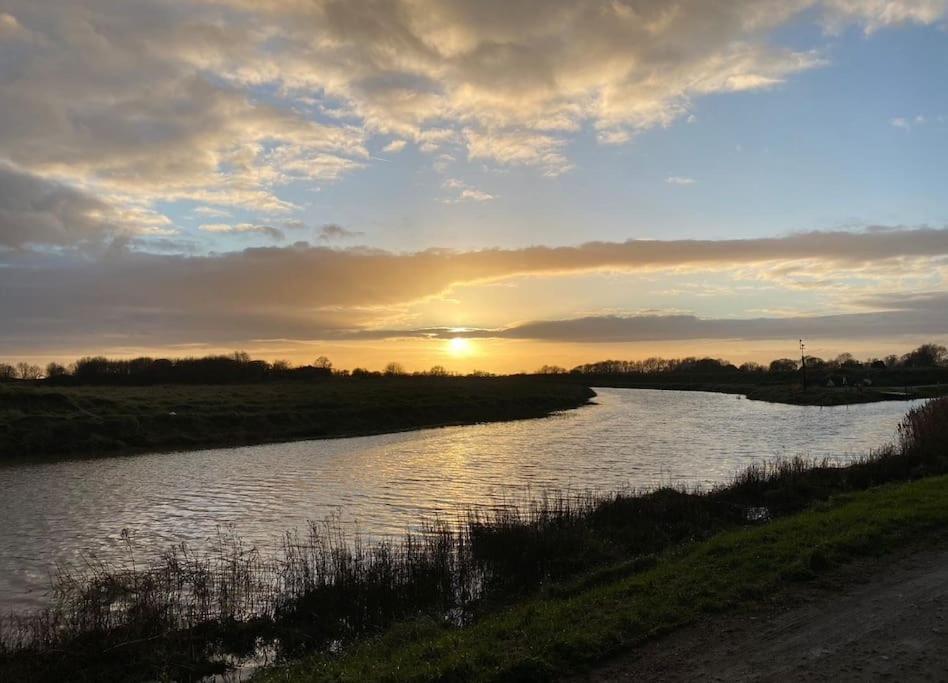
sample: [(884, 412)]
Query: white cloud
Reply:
[(394, 146), (680, 180), (211, 211), (462, 192), (877, 14), (908, 122), (138, 103), (475, 195)]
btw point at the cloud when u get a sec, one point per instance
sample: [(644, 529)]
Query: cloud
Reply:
[(331, 232), (211, 211), (907, 123), (890, 316), (519, 148), (601, 329), (139, 101), (37, 211), (394, 146), (877, 14), (244, 229), (679, 180), (142, 103), (315, 292), (462, 192)]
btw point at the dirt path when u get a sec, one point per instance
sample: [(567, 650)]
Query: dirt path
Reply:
[(890, 625)]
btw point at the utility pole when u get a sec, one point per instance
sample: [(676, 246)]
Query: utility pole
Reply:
[(803, 362)]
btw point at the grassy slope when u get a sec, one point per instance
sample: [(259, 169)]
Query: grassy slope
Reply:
[(39, 421), (576, 626)]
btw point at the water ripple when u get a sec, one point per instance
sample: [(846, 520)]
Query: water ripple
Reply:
[(53, 513)]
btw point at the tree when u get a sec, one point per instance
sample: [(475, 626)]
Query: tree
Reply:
[(394, 368), (7, 372), (783, 365), (751, 367), (846, 360), (438, 371), (551, 370), (54, 370), (926, 356), (25, 370), (280, 367), (322, 363)]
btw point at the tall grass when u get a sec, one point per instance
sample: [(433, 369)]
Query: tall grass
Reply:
[(184, 616)]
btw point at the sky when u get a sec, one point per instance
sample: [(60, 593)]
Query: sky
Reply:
[(472, 183)]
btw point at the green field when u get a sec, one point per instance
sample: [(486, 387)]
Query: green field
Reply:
[(41, 421)]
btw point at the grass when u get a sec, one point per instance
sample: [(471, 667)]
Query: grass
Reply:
[(180, 617), (100, 420), (572, 628)]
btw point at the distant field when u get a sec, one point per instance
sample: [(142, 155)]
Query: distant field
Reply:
[(97, 420)]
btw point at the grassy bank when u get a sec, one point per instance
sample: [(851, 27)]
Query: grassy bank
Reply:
[(185, 615), (37, 421), (571, 627)]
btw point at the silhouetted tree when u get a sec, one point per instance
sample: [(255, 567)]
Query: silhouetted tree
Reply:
[(26, 370), (394, 368), (7, 372), (751, 367), (925, 356), (783, 365), (322, 363), (54, 370), (847, 362)]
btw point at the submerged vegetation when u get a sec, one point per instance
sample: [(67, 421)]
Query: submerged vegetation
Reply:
[(41, 420), (188, 614)]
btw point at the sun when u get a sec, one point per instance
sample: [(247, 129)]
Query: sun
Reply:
[(459, 346)]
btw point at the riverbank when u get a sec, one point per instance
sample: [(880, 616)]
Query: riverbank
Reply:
[(575, 628), (189, 614), (88, 421)]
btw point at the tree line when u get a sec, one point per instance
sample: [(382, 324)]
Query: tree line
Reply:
[(237, 367), (240, 367), (925, 356)]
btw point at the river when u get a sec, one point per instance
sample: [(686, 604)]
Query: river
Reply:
[(61, 512)]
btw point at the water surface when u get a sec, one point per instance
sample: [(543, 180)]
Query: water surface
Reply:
[(57, 512)]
